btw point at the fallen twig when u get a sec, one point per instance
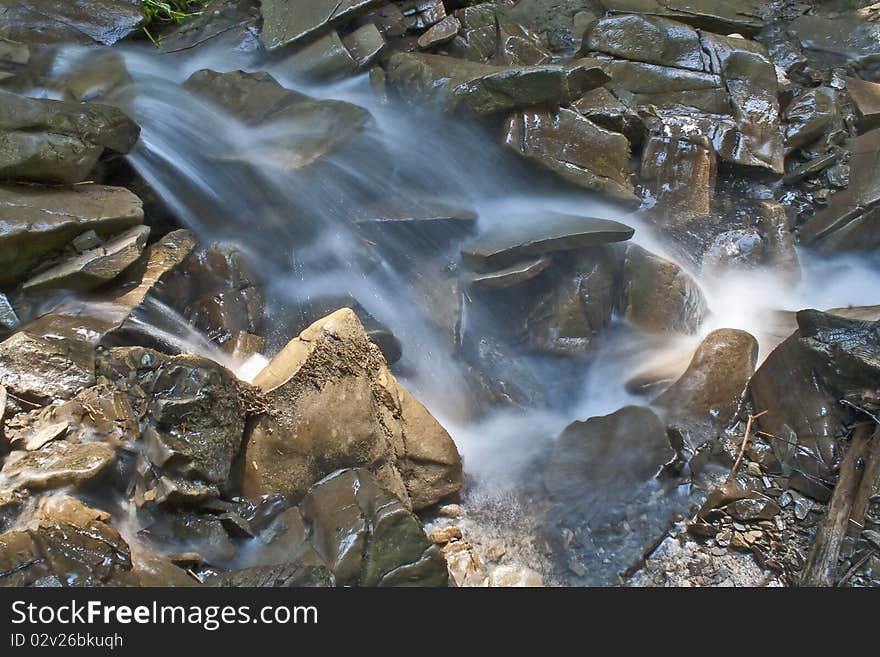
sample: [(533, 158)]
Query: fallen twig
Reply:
[(745, 442)]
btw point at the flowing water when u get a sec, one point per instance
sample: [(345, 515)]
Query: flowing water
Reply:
[(223, 180)]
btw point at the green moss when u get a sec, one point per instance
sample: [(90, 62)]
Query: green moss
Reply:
[(159, 12)]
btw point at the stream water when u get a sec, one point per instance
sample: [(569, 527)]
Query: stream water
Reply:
[(219, 178)]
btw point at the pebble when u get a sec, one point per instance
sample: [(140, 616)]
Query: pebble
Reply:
[(445, 535), (450, 511)]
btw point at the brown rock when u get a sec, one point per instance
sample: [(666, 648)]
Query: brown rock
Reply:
[(715, 381), (334, 404), (58, 464), (680, 172)]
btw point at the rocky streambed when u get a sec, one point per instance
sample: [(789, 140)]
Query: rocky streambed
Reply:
[(547, 292)]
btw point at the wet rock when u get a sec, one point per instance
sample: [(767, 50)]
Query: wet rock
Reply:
[(230, 25), (94, 267), (292, 575), (59, 21), (658, 296), (258, 99), (570, 145), (8, 317), (509, 276), (845, 354), (196, 538), (367, 537), (714, 382), (325, 58), (422, 14), (308, 431), (192, 410), (848, 37), (802, 415), (429, 221), (281, 26), (514, 576), (57, 464), (42, 368), (565, 316), (441, 33), (478, 38), (498, 376), (554, 232), (598, 463), (38, 222), (66, 544), (753, 508), (518, 46), (851, 221), (808, 115), (365, 44), (216, 289), (451, 84), (605, 109), (648, 39), (58, 142), (555, 20), (719, 15), (866, 98), (680, 173), (94, 77)]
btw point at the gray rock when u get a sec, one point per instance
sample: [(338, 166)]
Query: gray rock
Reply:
[(718, 15), (849, 36), (451, 84), (285, 22), (866, 98), (365, 44), (231, 25), (42, 368), (441, 33), (38, 222), (58, 142), (648, 39), (599, 462), (94, 267), (324, 58), (554, 232), (851, 220), (60, 21), (808, 116), (573, 147)]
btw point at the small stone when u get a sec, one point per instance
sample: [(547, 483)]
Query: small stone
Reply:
[(445, 535), (514, 576), (450, 511)]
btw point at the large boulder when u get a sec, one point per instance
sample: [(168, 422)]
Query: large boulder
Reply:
[(65, 543), (679, 171), (85, 22), (333, 403), (451, 84), (715, 381), (658, 296), (573, 147), (743, 16), (58, 142), (600, 462), (37, 222)]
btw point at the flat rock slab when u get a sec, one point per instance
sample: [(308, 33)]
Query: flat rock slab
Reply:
[(849, 36), (58, 464), (67, 21), (538, 235), (720, 15), (38, 221), (866, 97), (288, 21)]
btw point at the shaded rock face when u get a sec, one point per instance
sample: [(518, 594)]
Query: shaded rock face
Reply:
[(232, 23), (808, 115), (598, 463), (670, 64), (65, 544), (658, 296), (37, 222), (714, 382), (680, 173), (573, 147), (58, 142), (848, 37), (60, 21), (866, 98), (367, 537), (851, 220), (192, 409), (333, 403), (451, 84)]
